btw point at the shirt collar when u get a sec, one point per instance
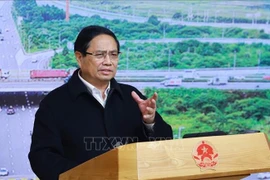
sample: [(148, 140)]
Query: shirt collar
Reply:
[(77, 87), (91, 87)]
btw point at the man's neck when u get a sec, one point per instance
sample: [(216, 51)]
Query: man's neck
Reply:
[(100, 85)]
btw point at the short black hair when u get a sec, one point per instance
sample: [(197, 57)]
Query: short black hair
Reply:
[(88, 33)]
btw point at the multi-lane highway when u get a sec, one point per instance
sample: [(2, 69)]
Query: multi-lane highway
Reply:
[(11, 43), (15, 130), (20, 80), (38, 86), (229, 86), (13, 55)]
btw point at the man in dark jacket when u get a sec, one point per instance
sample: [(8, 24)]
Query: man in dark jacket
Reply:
[(91, 113)]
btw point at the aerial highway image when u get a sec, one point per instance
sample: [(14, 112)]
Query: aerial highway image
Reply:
[(209, 62)]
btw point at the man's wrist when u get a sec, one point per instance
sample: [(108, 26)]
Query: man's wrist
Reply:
[(149, 126)]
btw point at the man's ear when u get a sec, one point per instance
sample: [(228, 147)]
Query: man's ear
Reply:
[(78, 56)]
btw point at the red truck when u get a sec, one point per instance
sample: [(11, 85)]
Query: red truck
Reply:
[(267, 77), (51, 73)]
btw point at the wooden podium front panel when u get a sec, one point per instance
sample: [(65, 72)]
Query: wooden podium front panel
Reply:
[(127, 162), (95, 168), (238, 155), (117, 164)]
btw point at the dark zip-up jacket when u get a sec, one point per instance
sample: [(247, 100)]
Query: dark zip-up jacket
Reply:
[(71, 126)]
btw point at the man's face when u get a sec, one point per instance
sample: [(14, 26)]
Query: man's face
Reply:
[(100, 65)]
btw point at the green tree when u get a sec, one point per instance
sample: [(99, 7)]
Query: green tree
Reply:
[(153, 20)]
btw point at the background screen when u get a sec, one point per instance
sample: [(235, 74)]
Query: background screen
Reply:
[(207, 60)]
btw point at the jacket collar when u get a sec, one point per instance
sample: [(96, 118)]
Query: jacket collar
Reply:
[(77, 87)]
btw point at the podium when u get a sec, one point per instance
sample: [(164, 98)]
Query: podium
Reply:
[(214, 157)]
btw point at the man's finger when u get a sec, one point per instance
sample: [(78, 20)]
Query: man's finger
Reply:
[(155, 96), (136, 97), (150, 110)]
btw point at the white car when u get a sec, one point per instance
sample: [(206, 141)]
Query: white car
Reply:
[(3, 172), (239, 77), (34, 60), (10, 110)]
